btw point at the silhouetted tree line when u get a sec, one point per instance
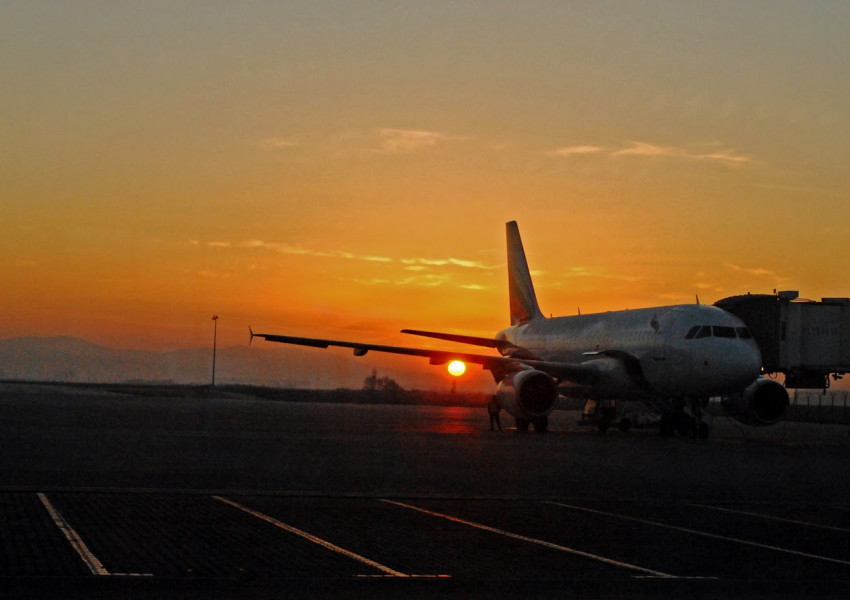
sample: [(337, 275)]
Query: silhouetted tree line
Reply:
[(394, 394), (386, 387), (376, 390)]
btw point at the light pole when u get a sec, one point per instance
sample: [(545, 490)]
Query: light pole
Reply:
[(215, 334)]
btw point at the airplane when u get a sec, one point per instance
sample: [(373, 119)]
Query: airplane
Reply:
[(670, 358)]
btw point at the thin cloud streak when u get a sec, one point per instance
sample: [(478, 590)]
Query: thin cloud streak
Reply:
[(407, 141), (591, 272), (638, 149), (426, 281), (467, 264), (576, 150), (754, 271), (740, 276), (726, 156), (429, 280), (644, 149), (411, 264), (276, 143), (401, 141), (297, 250)]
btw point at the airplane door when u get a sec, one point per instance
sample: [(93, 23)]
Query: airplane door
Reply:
[(663, 325), (660, 368)]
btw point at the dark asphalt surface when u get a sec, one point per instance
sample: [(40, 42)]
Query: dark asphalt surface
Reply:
[(121, 496)]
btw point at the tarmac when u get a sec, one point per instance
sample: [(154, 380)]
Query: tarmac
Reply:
[(115, 495)]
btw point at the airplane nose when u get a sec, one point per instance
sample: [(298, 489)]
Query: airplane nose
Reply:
[(740, 364), (748, 365)]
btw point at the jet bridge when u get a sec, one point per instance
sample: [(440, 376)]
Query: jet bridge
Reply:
[(803, 339)]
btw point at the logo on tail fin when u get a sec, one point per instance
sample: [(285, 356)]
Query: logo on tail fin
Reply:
[(523, 299)]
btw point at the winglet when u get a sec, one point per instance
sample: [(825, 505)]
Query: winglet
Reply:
[(251, 331)]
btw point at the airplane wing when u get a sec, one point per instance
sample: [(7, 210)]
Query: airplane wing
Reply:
[(498, 365)]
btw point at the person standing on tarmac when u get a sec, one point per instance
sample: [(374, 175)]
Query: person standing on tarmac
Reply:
[(493, 410)]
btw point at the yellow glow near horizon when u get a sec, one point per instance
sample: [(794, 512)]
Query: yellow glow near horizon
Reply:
[(457, 368)]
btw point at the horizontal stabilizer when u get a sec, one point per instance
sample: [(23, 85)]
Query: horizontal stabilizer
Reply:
[(463, 339)]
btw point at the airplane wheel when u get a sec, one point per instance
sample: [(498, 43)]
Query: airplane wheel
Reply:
[(541, 424), (666, 427), (684, 425), (522, 424), (625, 425), (606, 419)]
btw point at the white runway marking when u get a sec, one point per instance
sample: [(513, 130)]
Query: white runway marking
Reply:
[(539, 542), (312, 538), (77, 543), (704, 534), (772, 518)]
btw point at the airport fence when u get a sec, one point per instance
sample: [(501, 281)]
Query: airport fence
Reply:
[(817, 406)]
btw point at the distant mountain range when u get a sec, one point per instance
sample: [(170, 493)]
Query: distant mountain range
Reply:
[(76, 360)]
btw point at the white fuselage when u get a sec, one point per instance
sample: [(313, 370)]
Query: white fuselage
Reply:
[(684, 351)]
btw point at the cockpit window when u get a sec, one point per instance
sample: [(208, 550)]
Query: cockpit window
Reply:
[(704, 331), (724, 332), (719, 331)]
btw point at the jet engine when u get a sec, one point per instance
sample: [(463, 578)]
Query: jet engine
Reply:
[(763, 402), (527, 394)]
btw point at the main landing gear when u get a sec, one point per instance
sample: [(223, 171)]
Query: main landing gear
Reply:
[(541, 424), (686, 425)]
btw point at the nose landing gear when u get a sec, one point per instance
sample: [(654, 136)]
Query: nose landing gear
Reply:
[(686, 419)]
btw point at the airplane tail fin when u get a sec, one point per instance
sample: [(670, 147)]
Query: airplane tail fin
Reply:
[(520, 288)]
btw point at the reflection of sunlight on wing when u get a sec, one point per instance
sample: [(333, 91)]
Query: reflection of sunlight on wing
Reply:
[(457, 368)]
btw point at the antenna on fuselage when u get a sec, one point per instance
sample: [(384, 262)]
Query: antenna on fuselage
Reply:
[(697, 299)]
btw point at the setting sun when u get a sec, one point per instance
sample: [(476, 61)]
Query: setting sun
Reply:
[(457, 368)]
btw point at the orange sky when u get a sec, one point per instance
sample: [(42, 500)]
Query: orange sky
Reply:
[(347, 171)]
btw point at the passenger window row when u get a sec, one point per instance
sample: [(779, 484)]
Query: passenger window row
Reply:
[(703, 331)]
